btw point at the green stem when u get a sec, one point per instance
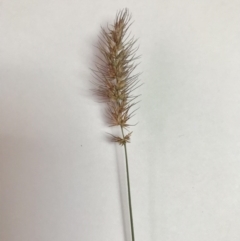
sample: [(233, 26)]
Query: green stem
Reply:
[(129, 191)]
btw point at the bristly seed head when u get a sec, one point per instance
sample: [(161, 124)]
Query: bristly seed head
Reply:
[(115, 81)]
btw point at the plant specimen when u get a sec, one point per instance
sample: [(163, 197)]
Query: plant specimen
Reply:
[(116, 82)]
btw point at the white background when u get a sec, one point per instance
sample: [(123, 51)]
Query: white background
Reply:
[(61, 180)]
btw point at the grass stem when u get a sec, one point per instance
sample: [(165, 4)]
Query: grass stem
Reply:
[(129, 190)]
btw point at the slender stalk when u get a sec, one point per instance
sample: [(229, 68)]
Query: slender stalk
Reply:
[(129, 190)]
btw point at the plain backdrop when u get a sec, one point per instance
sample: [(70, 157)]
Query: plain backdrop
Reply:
[(60, 178)]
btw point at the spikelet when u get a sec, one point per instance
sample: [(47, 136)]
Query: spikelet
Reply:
[(114, 73), (122, 141)]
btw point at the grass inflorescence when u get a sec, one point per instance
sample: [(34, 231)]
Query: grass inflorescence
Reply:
[(114, 73)]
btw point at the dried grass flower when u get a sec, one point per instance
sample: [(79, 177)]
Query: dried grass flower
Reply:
[(116, 81), (114, 73)]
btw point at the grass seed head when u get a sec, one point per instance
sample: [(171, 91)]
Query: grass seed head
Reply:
[(114, 79)]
